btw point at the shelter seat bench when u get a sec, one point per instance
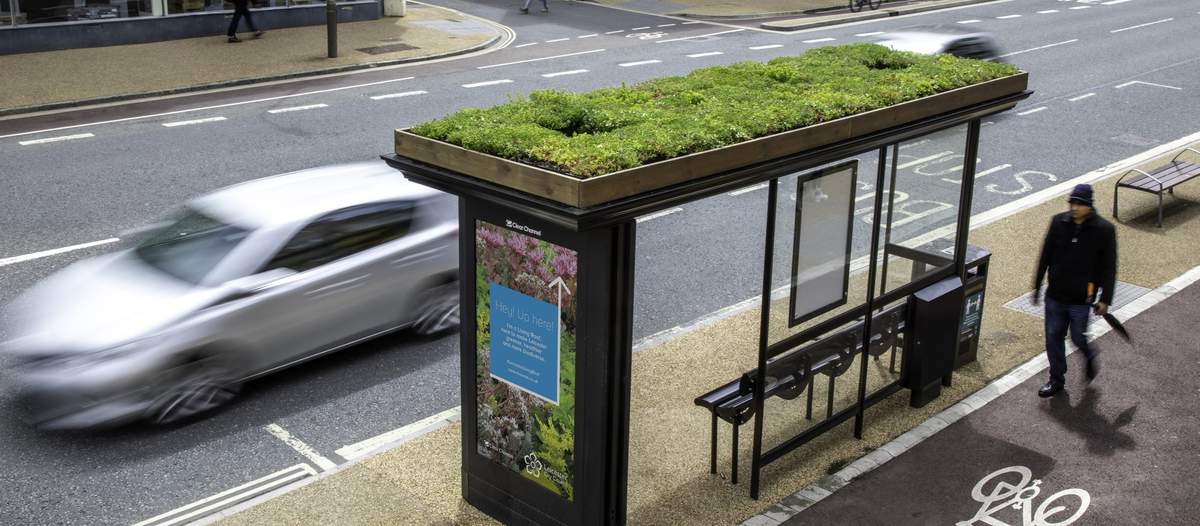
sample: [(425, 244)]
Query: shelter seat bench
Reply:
[(1165, 178), (793, 373)]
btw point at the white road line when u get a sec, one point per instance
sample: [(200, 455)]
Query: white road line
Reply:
[(1082, 7), (401, 435), (487, 83), (1014, 53), (255, 487), (557, 40), (562, 73), (55, 251), (971, 21), (988, 123), (299, 108), (57, 139), (589, 36), (871, 34), (639, 63), (542, 58), (666, 25), (205, 108), (748, 189), (992, 170), (300, 447), (912, 144), (923, 160), (816, 40), (524, 45), (690, 23), (689, 38), (708, 54), (657, 215), (1132, 82), (193, 121), (1048, 11), (614, 32), (1081, 97), (1114, 2), (640, 28), (1035, 110), (1141, 25), (401, 94), (768, 46), (1006, 17)]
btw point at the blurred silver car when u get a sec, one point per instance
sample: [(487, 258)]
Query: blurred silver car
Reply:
[(956, 41), (240, 283)]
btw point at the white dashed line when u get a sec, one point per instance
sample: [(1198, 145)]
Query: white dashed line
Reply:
[(988, 123), (299, 108), (557, 40), (523, 45), (709, 54), (562, 73), (698, 36), (1113, 2), (1006, 17), (589, 36), (1141, 25), (815, 40), (1048, 11), (57, 139), (1014, 53), (871, 34), (971, 21), (923, 160), (54, 251), (191, 122), (1081, 97), (657, 215), (614, 32), (487, 83), (1082, 7), (1035, 110), (666, 25), (640, 28), (538, 59), (300, 447), (397, 95), (639, 63), (768, 46), (690, 23), (748, 189)]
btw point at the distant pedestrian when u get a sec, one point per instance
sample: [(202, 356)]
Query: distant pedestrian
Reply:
[(241, 8), (545, 7), (1080, 255)]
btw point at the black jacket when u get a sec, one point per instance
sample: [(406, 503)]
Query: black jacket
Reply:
[(1079, 258)]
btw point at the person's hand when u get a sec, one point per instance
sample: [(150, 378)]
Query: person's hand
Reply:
[(1101, 308), (1034, 300)]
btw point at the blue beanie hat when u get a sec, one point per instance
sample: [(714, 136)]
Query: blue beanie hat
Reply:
[(1081, 194)]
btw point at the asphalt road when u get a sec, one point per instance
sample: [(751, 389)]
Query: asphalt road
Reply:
[(690, 263)]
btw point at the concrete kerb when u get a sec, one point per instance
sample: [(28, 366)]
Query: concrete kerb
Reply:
[(506, 36)]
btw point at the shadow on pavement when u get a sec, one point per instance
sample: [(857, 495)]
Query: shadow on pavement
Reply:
[(1101, 435)]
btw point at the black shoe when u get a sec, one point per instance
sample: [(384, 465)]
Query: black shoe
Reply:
[(234, 40), (545, 10), (1093, 368), (524, 11), (1050, 389)]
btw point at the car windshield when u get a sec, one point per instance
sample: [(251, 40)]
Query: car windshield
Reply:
[(190, 246)]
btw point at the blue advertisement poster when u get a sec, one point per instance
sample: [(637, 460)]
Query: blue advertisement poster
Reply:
[(525, 354)]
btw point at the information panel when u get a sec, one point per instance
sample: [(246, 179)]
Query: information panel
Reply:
[(821, 248), (525, 383)]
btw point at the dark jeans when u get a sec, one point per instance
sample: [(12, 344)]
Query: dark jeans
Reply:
[(1059, 318), (240, 9)]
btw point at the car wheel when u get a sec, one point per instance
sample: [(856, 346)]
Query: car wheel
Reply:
[(192, 388), (437, 310)]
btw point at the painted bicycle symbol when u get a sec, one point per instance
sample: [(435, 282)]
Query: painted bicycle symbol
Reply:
[(1015, 488), (646, 36)]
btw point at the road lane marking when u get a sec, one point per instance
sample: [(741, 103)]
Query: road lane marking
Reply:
[(193, 121), (300, 447), (923, 160), (639, 63), (657, 215), (816, 40), (699, 36), (1082, 7), (614, 32), (748, 189), (1006, 17), (708, 54), (523, 45), (55, 251), (299, 108), (768, 46), (400, 435), (1142, 25), (640, 28), (401, 94), (690, 23), (205, 108), (1048, 11), (1014, 53), (487, 83), (992, 170), (561, 73), (1035, 110), (971, 21), (542, 58), (1114, 2), (589, 36), (912, 144), (1081, 97), (557, 40), (225, 498), (665, 25), (871, 34), (1132, 82), (57, 139)]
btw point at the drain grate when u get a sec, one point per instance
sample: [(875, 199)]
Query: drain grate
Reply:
[(1125, 294), (390, 48)]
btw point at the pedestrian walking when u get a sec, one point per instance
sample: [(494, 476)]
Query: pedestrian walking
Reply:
[(241, 8), (1079, 256), (545, 7)]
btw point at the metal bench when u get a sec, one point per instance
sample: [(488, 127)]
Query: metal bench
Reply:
[(1163, 179), (792, 374)]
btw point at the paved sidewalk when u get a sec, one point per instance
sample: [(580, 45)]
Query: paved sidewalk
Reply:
[(60, 78), (1123, 447)]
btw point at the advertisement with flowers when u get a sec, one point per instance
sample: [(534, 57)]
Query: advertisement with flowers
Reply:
[(525, 355)]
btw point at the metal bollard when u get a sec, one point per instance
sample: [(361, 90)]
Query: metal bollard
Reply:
[(331, 26)]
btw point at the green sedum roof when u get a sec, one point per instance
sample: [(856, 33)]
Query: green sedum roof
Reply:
[(590, 134)]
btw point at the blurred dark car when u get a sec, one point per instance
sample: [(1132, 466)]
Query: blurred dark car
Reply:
[(944, 39)]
